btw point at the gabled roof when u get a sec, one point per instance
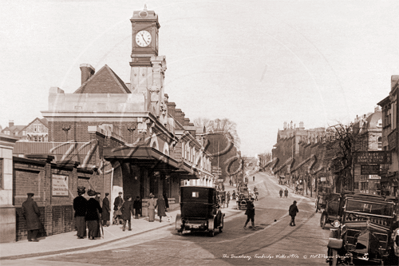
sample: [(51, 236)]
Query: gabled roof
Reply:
[(14, 129), (104, 81), (42, 120)]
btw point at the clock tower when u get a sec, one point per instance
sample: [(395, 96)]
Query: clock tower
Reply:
[(145, 28), (147, 68)]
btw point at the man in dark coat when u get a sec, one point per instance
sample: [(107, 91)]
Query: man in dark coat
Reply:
[(117, 208), (80, 207), (281, 192), (292, 212), (31, 213), (286, 192), (137, 207), (127, 212), (106, 210), (161, 207), (93, 215), (165, 198), (250, 212)]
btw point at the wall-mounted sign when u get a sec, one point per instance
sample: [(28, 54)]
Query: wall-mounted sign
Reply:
[(372, 157), (371, 169), (60, 185), (374, 177)]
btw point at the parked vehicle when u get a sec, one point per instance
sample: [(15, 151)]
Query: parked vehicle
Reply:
[(366, 230), (200, 210), (333, 208), (242, 198)]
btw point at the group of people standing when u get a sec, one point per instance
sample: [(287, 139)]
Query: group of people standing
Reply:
[(285, 192), (88, 213)]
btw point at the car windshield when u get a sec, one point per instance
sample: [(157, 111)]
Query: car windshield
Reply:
[(369, 207)]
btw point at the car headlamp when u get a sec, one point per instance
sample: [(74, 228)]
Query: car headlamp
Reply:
[(336, 223)]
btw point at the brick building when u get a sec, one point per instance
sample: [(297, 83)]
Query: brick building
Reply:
[(390, 138)]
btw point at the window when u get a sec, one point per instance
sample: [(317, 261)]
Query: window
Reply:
[(379, 143)]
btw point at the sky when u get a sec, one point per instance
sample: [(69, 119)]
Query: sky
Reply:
[(258, 63)]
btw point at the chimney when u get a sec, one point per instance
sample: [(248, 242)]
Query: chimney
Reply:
[(178, 113), (394, 81), (87, 71), (301, 125), (285, 125), (186, 121), (11, 123), (171, 108)]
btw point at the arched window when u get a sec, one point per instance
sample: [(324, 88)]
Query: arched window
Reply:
[(380, 143)]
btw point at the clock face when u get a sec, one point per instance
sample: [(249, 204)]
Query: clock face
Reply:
[(143, 38)]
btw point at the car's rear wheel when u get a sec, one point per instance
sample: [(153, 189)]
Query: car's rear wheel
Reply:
[(212, 233)]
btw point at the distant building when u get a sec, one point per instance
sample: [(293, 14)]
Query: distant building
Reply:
[(390, 138), (37, 131), (14, 130)]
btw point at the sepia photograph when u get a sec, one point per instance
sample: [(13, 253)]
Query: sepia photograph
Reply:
[(167, 132)]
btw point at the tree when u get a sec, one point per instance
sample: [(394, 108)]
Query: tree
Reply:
[(219, 125), (343, 141)]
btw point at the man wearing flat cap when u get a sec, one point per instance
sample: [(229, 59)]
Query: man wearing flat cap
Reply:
[(80, 207), (31, 212)]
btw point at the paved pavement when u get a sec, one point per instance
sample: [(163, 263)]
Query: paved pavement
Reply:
[(67, 242)]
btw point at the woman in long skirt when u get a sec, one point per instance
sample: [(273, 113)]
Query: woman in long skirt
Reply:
[(161, 207), (92, 215), (151, 208)]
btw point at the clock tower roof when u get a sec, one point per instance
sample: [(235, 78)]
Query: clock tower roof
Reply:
[(145, 16)]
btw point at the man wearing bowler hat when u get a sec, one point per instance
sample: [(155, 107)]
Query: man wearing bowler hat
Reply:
[(31, 212)]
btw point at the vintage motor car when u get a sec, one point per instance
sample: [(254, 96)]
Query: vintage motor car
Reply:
[(243, 197), (333, 208), (365, 231), (200, 210)]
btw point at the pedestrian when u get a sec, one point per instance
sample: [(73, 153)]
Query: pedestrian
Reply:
[(117, 209), (137, 207), (80, 207), (250, 212), (93, 215), (292, 212), (223, 198), (165, 198), (228, 198), (127, 212), (98, 198), (286, 192), (281, 192), (106, 211), (31, 213), (161, 207), (151, 208), (233, 195), (254, 178)]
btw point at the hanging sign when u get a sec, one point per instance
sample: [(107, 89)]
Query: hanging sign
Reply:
[(373, 157), (372, 169)]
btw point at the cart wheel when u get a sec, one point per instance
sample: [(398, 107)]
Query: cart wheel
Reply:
[(211, 233), (220, 229)]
